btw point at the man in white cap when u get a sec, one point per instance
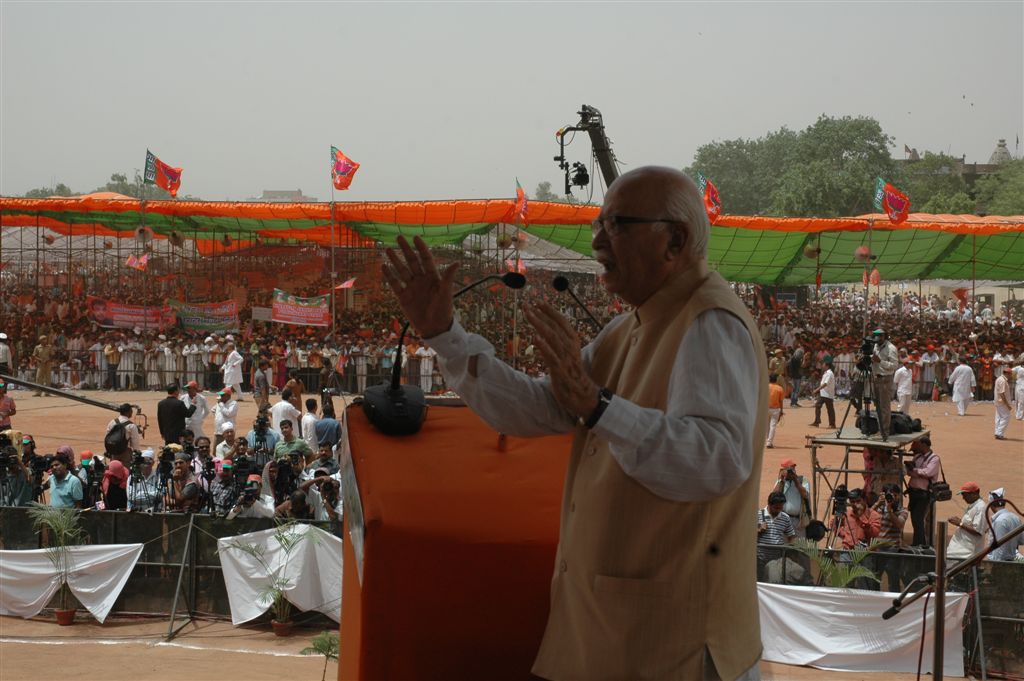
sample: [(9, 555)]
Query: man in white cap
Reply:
[(1002, 399), (1004, 521), (226, 435), (6, 360), (884, 361), (144, 493), (193, 396)]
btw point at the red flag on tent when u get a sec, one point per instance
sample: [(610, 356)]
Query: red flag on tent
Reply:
[(343, 169), (895, 203), (519, 267), (162, 175), (864, 277), (348, 283), (817, 280), (875, 278), (522, 205), (961, 295), (712, 201), (138, 262)]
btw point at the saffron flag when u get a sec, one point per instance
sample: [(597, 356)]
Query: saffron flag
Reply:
[(522, 204), (348, 283), (864, 277), (961, 295), (712, 201), (518, 265), (343, 169), (162, 175), (876, 277), (138, 262), (891, 200)]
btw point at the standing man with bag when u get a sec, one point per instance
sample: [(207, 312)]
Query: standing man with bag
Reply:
[(923, 471)]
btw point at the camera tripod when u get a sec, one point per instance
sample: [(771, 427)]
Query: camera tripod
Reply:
[(864, 388)]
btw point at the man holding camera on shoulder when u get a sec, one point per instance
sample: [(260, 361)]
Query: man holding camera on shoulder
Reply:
[(144, 493), (16, 489), (323, 493), (798, 494)]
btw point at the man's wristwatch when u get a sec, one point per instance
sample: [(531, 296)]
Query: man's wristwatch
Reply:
[(604, 398)]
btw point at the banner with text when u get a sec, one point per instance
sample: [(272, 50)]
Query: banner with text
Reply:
[(113, 315), (289, 309), (207, 316)]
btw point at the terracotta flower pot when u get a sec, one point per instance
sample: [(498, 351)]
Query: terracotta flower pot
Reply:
[(65, 617), (282, 628)]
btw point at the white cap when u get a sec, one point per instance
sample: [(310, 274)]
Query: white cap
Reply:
[(229, 337), (209, 339), (226, 426), (147, 454), (996, 494), (162, 337), (3, 336)]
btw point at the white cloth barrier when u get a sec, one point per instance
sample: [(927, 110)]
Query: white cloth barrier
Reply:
[(314, 571), (843, 630), (28, 579)]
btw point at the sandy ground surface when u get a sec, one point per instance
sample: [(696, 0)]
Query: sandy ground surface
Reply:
[(216, 650)]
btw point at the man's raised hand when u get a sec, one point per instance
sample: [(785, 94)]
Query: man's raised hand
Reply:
[(424, 295)]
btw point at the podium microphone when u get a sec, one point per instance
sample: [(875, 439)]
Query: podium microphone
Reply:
[(397, 409), (560, 284)]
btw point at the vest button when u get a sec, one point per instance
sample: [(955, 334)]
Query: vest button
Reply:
[(563, 567)]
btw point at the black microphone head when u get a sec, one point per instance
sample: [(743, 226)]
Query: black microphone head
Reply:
[(513, 280), (560, 283)]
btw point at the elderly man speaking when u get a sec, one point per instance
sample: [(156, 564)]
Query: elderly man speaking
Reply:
[(654, 577)]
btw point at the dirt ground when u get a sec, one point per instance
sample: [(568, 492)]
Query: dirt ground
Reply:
[(216, 650)]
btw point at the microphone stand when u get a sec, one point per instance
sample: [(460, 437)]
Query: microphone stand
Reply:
[(561, 283), (937, 582)]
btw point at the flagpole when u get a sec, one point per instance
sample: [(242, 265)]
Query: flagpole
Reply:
[(334, 274)]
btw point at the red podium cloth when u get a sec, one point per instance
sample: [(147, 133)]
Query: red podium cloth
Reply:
[(459, 550)]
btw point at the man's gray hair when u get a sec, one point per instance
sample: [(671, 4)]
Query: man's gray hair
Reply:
[(690, 209)]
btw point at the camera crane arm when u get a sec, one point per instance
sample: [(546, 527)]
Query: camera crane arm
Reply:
[(592, 123), (78, 398)]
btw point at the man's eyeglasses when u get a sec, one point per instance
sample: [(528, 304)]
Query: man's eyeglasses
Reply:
[(615, 225)]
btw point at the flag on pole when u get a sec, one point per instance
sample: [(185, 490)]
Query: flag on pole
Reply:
[(348, 283), (961, 295), (343, 169), (138, 262), (522, 204), (518, 265), (906, 149), (162, 175), (895, 203), (712, 201), (864, 277), (876, 277)]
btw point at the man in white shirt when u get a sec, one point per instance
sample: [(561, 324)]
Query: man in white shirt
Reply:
[(1018, 387), (131, 431), (193, 396), (963, 382), (1002, 400), (308, 427), (1004, 522), (826, 395), (969, 537), (904, 380), (225, 410), (284, 410), (884, 362), (232, 369), (252, 503), (929, 360)]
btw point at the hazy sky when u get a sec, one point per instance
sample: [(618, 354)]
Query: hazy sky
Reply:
[(455, 100)]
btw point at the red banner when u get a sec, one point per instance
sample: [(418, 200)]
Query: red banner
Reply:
[(289, 309), (113, 315)]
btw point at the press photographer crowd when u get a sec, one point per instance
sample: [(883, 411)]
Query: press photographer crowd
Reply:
[(285, 465)]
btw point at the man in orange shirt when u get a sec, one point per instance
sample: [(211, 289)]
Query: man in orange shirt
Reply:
[(776, 396)]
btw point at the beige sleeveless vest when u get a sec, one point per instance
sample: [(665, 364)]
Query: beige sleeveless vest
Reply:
[(642, 585)]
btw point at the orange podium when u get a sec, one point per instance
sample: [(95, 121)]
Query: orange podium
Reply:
[(458, 548)]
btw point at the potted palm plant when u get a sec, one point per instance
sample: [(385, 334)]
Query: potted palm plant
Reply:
[(288, 537), (63, 531), (326, 644)]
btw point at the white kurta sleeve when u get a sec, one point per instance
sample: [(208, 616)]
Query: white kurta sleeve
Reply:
[(702, 446)]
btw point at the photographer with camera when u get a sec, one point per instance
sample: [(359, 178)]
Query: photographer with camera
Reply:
[(923, 471), (144, 490), (324, 461), (859, 525), (893, 517), (262, 440), (884, 361), (323, 493), (223, 489), (252, 503), (183, 493), (15, 475), (291, 444), (797, 491)]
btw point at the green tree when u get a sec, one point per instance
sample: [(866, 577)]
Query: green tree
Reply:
[(959, 203), (43, 192), (826, 170), (544, 193), (1002, 193), (136, 189), (933, 177)]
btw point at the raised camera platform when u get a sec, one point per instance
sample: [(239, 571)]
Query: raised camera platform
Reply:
[(852, 437)]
